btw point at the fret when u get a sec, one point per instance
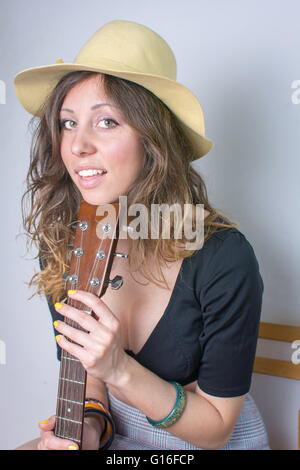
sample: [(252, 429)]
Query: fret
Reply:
[(74, 381), (71, 401), (87, 310), (69, 419), (68, 437), (72, 359), (70, 409)]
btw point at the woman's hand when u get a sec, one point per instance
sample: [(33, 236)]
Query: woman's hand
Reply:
[(48, 440), (99, 347)]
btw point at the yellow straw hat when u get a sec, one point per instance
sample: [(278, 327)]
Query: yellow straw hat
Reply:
[(131, 51)]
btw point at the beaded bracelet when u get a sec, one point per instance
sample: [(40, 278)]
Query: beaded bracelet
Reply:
[(96, 407), (176, 412)]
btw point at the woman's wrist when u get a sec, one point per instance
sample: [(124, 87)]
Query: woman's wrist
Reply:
[(94, 407), (136, 388), (122, 375), (97, 422)]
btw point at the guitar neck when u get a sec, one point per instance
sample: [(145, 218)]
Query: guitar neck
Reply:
[(71, 396), (92, 257)]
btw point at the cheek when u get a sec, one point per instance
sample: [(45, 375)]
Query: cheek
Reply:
[(64, 152), (128, 163)]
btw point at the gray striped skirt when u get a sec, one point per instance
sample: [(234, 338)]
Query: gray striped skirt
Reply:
[(133, 432)]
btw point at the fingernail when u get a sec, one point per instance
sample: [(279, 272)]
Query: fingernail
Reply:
[(45, 421), (57, 337), (72, 448), (72, 291), (57, 305), (55, 323)]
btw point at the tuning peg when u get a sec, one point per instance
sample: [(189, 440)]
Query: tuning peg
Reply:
[(70, 278), (116, 282), (121, 255)]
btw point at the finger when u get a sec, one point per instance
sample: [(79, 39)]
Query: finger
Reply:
[(80, 337), (77, 351), (97, 305), (97, 331), (47, 424), (85, 320), (51, 442)]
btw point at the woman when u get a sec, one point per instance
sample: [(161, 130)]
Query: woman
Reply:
[(168, 361)]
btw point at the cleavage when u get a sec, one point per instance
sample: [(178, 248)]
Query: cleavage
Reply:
[(140, 309)]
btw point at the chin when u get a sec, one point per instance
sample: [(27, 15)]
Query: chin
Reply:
[(95, 200)]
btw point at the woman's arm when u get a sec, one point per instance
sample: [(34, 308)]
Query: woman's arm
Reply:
[(207, 422), (96, 389)]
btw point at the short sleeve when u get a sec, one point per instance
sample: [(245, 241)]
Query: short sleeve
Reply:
[(231, 303)]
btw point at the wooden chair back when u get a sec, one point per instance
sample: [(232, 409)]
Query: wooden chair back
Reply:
[(277, 367)]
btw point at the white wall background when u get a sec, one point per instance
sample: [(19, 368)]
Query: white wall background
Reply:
[(240, 57)]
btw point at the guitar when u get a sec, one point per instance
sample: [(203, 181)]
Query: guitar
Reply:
[(91, 260)]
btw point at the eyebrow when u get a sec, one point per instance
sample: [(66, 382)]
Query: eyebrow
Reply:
[(96, 106)]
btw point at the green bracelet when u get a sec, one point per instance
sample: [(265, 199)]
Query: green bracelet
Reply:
[(176, 412)]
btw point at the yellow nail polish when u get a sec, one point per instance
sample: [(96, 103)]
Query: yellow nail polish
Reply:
[(57, 305), (72, 448), (45, 421), (55, 323), (57, 337), (71, 291)]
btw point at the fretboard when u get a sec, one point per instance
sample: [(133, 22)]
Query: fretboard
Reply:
[(71, 395)]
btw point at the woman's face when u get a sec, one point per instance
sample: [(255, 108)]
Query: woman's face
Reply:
[(95, 136)]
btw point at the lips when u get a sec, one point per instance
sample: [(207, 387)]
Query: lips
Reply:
[(90, 181), (86, 167)]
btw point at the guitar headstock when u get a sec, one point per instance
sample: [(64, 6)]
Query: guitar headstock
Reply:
[(93, 250)]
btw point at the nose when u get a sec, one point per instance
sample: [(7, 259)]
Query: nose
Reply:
[(82, 143)]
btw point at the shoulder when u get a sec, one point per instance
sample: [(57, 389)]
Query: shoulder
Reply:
[(230, 245), (227, 252)]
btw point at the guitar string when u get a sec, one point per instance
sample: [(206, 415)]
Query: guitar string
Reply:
[(89, 287), (78, 368), (64, 355), (79, 365), (59, 428), (69, 385), (65, 425), (77, 371), (93, 270), (65, 374)]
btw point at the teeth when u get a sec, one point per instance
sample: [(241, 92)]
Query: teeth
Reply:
[(90, 172)]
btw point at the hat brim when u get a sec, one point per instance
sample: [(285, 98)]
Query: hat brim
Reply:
[(34, 85)]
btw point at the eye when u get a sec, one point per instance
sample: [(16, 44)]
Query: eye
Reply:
[(67, 124), (107, 122)]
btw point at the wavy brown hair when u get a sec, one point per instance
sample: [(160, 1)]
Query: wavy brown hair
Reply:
[(53, 198)]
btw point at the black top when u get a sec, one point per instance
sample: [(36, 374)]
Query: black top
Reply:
[(209, 329)]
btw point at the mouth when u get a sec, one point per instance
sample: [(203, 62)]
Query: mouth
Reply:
[(91, 178)]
